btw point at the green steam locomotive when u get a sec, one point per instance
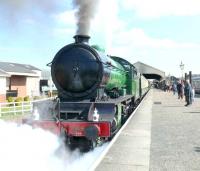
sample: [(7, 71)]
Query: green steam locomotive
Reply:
[(96, 94)]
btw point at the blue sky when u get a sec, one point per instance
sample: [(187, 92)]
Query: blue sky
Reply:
[(161, 33)]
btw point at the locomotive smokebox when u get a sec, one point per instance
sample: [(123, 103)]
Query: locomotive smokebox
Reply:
[(82, 39), (77, 70)]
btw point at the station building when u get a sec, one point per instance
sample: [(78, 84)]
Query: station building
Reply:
[(18, 80)]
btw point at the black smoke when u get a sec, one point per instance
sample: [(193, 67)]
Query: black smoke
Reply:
[(85, 12)]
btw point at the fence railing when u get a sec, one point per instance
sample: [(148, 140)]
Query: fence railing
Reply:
[(19, 108)]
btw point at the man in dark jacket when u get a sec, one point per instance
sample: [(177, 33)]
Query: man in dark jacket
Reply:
[(180, 89), (188, 93)]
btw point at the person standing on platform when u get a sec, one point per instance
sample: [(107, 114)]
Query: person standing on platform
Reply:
[(188, 93), (180, 89), (174, 88)]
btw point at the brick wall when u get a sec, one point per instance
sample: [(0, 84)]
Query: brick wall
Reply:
[(18, 83), (2, 98)]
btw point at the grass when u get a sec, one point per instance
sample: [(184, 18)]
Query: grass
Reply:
[(8, 114)]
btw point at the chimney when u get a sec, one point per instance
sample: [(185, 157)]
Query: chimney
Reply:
[(82, 39)]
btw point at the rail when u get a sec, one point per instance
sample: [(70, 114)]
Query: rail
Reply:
[(18, 108)]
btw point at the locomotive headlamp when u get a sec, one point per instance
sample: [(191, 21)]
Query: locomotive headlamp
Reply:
[(95, 115)]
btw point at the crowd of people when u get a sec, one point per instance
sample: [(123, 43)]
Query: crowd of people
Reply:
[(184, 89)]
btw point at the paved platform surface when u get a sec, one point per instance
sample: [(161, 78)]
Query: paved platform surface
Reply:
[(163, 135), (175, 134), (131, 151)]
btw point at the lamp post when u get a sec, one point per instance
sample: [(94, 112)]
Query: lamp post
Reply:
[(182, 68)]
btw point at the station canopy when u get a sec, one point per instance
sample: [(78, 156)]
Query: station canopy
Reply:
[(149, 72)]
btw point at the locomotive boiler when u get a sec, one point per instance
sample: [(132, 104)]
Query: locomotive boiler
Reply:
[(96, 94)]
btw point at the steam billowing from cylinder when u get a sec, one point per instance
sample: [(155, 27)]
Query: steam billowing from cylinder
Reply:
[(85, 12), (39, 150)]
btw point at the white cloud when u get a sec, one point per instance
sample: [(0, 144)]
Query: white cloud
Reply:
[(65, 24), (64, 32), (158, 8), (165, 54), (136, 37), (66, 18)]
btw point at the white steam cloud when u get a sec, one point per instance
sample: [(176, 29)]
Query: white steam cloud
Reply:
[(85, 12), (23, 148)]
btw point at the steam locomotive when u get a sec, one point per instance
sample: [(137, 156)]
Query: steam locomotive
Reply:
[(96, 94)]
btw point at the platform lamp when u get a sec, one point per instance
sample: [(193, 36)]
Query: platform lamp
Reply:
[(182, 68)]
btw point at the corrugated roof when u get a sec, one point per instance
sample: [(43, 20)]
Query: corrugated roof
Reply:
[(18, 68), (4, 74), (29, 67)]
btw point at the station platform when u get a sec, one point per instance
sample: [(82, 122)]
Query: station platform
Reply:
[(163, 135)]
